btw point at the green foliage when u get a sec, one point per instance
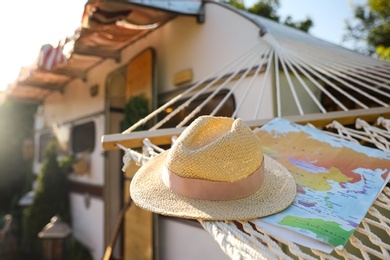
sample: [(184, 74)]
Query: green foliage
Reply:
[(16, 121), (383, 53), (303, 25), (239, 4), (78, 251), (67, 162), (269, 9), (370, 28), (135, 109), (381, 7), (51, 197)]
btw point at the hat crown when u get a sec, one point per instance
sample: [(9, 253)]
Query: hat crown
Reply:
[(216, 149)]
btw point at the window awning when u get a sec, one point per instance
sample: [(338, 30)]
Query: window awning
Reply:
[(107, 28)]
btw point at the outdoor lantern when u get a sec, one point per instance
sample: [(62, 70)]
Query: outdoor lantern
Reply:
[(55, 239)]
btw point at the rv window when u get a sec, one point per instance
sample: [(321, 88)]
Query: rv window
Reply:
[(83, 137), (44, 140), (227, 108)]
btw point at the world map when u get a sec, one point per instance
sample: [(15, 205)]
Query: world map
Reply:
[(337, 181)]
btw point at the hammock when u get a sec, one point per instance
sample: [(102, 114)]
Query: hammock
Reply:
[(243, 240), (306, 81)]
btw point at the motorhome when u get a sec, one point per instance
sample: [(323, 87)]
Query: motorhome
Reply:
[(205, 57)]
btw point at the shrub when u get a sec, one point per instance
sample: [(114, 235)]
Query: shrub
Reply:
[(51, 197)]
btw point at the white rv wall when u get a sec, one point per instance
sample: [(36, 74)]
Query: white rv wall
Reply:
[(257, 105), (183, 241), (206, 47), (87, 219), (288, 103), (185, 44)]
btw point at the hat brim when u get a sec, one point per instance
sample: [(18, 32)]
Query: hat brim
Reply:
[(148, 191)]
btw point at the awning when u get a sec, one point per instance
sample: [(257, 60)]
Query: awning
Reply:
[(107, 28)]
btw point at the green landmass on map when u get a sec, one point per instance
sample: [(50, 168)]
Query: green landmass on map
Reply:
[(327, 231)]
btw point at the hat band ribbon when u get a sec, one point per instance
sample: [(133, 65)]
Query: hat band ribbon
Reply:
[(214, 190)]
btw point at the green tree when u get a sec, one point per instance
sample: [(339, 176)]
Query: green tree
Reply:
[(370, 28), (269, 9), (51, 197), (237, 4), (16, 124), (304, 25)]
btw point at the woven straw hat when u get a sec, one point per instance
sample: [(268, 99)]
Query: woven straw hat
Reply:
[(215, 170)]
